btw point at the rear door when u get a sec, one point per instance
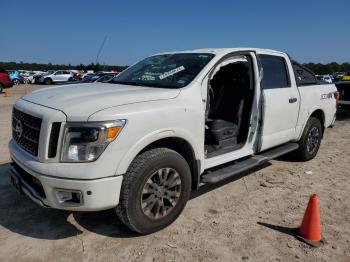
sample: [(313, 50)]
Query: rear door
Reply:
[(57, 77), (281, 100), (66, 75)]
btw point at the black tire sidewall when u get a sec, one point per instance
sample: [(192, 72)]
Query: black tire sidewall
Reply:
[(138, 219), (304, 153), (1, 88), (48, 81)]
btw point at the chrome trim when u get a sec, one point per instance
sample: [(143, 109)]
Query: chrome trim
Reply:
[(81, 198)]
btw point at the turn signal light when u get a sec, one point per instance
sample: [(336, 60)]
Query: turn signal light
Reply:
[(112, 132)]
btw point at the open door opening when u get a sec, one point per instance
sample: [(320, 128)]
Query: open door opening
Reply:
[(229, 104)]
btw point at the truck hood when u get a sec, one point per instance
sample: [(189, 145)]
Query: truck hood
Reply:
[(79, 101)]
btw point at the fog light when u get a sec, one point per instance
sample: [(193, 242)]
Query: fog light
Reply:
[(68, 197)]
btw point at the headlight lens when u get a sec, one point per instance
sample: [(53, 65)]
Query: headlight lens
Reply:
[(85, 142)]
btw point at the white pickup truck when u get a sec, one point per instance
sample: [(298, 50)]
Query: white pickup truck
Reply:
[(167, 124)]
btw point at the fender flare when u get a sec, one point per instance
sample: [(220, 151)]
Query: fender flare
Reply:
[(313, 110), (148, 140)]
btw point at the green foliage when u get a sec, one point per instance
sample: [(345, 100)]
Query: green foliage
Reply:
[(323, 69), (49, 66), (319, 69)]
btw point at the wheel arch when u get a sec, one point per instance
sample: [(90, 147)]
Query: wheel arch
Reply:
[(179, 144), (319, 114)]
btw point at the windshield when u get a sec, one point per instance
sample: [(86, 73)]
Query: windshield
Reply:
[(168, 70)]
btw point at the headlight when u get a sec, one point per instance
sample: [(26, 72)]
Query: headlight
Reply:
[(85, 142)]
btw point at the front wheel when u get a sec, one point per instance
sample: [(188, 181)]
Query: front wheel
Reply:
[(1, 88), (16, 82), (155, 190), (47, 81), (311, 140)]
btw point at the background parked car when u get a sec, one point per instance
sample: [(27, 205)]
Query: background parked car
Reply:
[(29, 77), (5, 81), (338, 76), (92, 78), (325, 78), (86, 75), (328, 79), (346, 77), (15, 77), (344, 94), (55, 77)]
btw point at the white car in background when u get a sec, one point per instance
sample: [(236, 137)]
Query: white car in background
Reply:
[(328, 79), (29, 76), (325, 78), (56, 76)]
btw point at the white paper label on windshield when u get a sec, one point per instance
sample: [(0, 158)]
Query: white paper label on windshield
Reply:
[(171, 72)]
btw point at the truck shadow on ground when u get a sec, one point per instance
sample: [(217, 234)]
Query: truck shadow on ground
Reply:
[(20, 215)]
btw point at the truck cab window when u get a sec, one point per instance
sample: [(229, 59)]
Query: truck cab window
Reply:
[(275, 73), (303, 76)]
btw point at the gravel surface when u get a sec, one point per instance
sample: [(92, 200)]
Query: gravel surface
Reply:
[(248, 218)]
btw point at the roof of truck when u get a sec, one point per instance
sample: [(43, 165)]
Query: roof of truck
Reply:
[(222, 51)]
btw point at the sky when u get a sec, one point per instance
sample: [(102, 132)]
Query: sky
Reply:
[(72, 32)]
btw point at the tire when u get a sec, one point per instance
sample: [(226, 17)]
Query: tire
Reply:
[(47, 81), (135, 208), (311, 140), (16, 82), (1, 88)]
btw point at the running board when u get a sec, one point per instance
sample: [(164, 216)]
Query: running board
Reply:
[(218, 175), (280, 151)]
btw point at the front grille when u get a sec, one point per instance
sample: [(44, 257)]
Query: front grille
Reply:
[(26, 131)]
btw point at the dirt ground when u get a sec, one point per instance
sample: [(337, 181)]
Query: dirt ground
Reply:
[(246, 218)]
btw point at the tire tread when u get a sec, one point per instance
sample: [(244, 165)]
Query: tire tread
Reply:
[(128, 180)]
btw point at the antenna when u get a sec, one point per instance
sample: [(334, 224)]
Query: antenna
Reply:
[(101, 47)]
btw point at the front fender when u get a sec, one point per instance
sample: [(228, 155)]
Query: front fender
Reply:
[(151, 138)]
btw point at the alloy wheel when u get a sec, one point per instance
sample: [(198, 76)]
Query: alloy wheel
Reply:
[(161, 193), (313, 140)]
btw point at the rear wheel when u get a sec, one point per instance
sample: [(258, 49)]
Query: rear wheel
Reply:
[(311, 140), (1, 88), (16, 82), (155, 190)]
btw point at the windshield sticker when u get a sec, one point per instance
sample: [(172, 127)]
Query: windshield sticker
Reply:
[(171, 72)]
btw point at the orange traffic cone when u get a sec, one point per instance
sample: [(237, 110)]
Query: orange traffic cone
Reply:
[(7, 93), (310, 229)]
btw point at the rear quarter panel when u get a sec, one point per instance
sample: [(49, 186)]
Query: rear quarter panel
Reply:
[(314, 97)]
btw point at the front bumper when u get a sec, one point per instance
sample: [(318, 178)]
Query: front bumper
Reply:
[(96, 194)]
